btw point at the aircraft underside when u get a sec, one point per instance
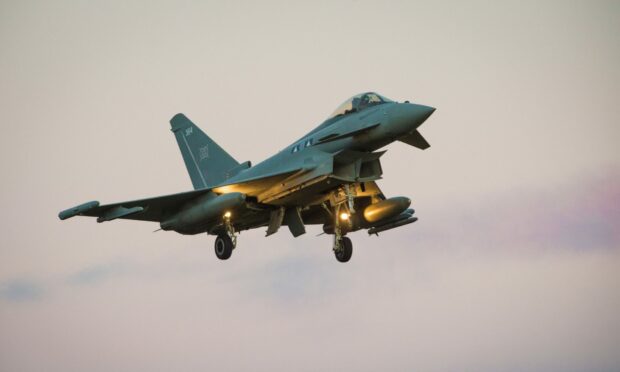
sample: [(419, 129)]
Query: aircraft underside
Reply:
[(340, 207)]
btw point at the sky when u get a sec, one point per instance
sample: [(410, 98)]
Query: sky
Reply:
[(513, 265)]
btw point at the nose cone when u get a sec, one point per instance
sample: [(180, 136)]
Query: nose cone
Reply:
[(405, 117), (422, 113)]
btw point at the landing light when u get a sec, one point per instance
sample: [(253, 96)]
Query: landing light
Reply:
[(344, 216), (227, 214)]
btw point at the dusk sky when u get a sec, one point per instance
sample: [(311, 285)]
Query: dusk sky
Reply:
[(514, 264)]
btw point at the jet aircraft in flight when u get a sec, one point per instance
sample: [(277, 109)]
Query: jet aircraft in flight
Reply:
[(326, 177)]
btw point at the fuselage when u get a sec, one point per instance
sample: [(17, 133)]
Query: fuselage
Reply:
[(386, 123)]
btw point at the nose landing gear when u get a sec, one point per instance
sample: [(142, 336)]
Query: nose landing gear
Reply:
[(343, 248)]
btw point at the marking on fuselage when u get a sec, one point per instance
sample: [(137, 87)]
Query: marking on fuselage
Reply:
[(203, 152), (204, 183)]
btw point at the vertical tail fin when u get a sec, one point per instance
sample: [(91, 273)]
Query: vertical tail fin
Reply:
[(206, 162)]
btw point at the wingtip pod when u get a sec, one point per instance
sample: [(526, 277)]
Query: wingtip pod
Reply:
[(82, 208)]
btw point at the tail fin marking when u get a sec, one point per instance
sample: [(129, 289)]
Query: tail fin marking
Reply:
[(206, 162)]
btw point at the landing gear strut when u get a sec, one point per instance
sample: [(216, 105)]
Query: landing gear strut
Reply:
[(226, 241), (343, 248)]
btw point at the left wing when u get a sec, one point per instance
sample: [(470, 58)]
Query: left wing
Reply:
[(150, 209)]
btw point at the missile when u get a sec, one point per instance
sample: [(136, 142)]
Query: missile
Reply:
[(386, 209), (205, 208), (391, 225)]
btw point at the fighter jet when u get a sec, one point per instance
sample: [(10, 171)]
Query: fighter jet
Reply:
[(326, 177)]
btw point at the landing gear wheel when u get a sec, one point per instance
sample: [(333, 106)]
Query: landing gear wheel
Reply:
[(345, 250), (223, 246)]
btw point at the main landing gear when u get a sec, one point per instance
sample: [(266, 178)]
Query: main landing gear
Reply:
[(226, 241), (223, 246), (344, 251), (343, 248)]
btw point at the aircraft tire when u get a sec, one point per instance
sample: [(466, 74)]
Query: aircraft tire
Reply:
[(223, 246), (346, 250)]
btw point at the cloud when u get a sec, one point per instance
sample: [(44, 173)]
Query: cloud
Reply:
[(20, 290), (294, 280), (579, 215), (96, 274)]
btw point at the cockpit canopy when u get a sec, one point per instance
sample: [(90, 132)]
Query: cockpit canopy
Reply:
[(358, 103)]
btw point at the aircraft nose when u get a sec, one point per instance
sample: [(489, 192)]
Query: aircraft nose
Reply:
[(423, 112), (416, 114), (405, 117)]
